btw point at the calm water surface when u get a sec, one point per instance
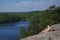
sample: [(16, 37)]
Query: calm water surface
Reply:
[(11, 31)]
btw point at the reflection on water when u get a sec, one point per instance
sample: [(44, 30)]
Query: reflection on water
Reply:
[(11, 31)]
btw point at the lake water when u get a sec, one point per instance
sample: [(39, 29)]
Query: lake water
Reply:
[(11, 31)]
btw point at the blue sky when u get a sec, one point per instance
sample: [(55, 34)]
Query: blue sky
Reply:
[(26, 5)]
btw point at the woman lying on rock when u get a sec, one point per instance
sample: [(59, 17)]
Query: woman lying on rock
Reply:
[(47, 29)]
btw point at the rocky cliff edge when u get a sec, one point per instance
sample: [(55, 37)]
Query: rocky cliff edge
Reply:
[(51, 35)]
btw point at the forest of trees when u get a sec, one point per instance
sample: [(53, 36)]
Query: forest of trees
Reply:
[(7, 17)]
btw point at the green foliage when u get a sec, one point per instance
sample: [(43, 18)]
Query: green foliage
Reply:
[(54, 15), (34, 27), (5, 18), (23, 32), (39, 21), (57, 15)]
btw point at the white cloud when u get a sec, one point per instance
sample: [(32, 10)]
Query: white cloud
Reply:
[(36, 2), (26, 2), (23, 3)]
